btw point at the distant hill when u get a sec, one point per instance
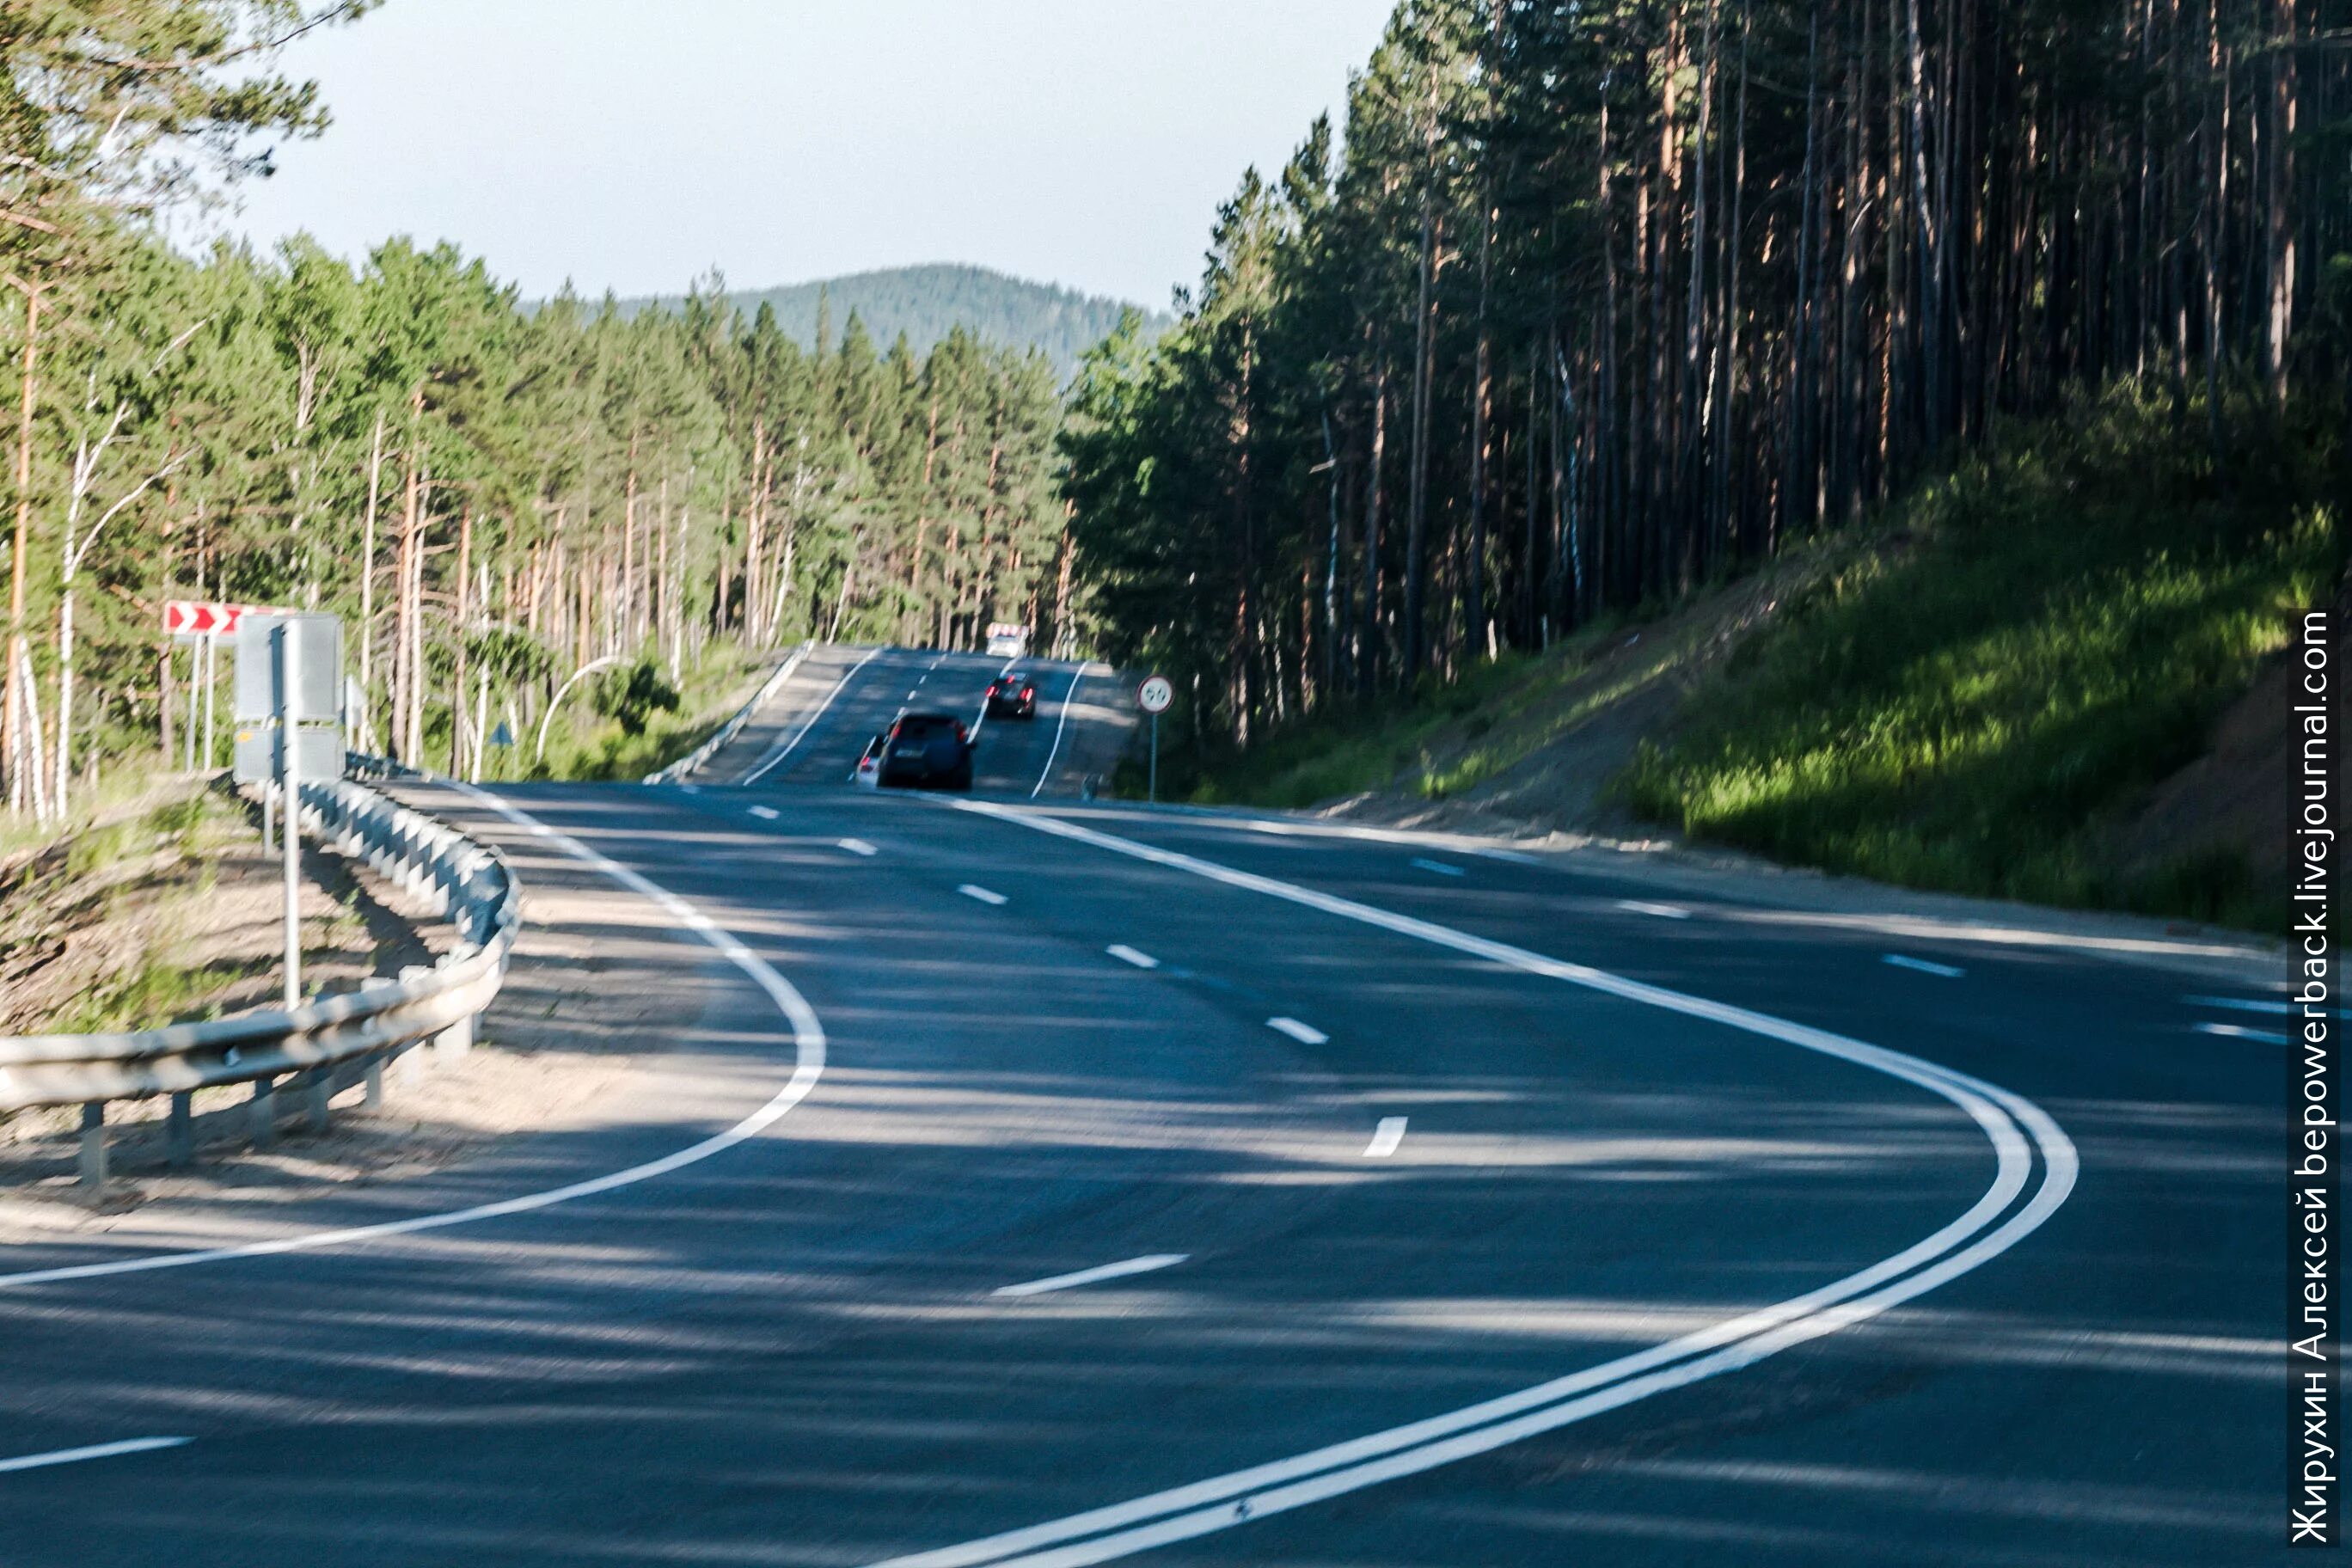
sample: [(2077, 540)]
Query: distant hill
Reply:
[(924, 302)]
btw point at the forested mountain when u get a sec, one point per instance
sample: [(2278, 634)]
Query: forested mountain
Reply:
[(492, 499), (926, 303), (1593, 301)]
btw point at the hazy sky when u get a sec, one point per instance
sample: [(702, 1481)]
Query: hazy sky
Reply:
[(633, 144)]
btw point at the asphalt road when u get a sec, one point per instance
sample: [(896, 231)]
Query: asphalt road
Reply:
[(1473, 1213)]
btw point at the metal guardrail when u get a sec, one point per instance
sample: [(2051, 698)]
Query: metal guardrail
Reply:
[(734, 726), (466, 882)]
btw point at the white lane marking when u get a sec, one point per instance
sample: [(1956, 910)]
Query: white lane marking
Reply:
[(2249, 1004), (2240, 1032), (1970, 1240), (1664, 912), (808, 1066), (1440, 867), (94, 1451), (972, 890), (1090, 1276), (910, 696), (858, 847), (1922, 966), (1306, 1034), (1386, 1138), (1126, 954), (784, 749), (765, 813), (1058, 726)]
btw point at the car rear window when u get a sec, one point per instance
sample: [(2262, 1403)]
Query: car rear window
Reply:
[(922, 726)]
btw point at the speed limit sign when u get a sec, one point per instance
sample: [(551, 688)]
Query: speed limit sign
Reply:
[(1155, 694)]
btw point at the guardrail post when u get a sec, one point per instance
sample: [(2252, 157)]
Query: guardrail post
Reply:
[(93, 1145), (261, 1113), (372, 1084), (453, 1042), (180, 1131), (412, 1061), (317, 1088)]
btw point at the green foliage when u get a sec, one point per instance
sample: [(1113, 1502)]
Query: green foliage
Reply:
[(635, 695), (2047, 634), (924, 304), (154, 992)]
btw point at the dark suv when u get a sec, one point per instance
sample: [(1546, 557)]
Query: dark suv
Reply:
[(921, 750), (1012, 697)]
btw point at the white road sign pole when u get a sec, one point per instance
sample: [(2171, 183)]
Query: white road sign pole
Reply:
[(1153, 697), (288, 781)]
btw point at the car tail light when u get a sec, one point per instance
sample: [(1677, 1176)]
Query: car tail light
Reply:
[(1028, 691)]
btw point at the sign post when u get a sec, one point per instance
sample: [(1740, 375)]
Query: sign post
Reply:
[(289, 702), (1153, 697), (289, 778)]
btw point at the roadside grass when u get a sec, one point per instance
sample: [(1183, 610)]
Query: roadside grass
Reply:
[(2052, 630), (1355, 750), (157, 992), (603, 734)]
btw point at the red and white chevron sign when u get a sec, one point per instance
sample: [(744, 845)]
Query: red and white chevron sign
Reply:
[(185, 617)]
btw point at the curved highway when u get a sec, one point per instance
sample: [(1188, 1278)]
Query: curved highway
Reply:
[(1024, 1180)]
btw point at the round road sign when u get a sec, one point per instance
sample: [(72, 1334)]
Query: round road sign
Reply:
[(1155, 694)]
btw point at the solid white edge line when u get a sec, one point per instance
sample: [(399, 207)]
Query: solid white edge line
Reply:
[(766, 813), (859, 847), (1924, 966), (1126, 954), (2007, 1119), (1058, 725), (1386, 1138), (1304, 1033), (93, 1451), (808, 1041), (784, 749), (985, 895), (1094, 1276)]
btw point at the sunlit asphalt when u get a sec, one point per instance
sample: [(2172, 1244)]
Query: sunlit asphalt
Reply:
[(801, 1349)]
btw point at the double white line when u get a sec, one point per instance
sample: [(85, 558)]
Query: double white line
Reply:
[(1997, 1221)]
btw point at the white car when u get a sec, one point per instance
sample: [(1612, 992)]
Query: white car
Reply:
[(1007, 639)]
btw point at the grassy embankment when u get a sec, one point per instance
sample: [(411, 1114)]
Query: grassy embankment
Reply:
[(629, 720), (1971, 693)]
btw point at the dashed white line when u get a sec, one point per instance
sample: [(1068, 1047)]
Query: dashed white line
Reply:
[(972, 890), (1126, 954), (1663, 911), (2239, 1004), (1440, 867), (2016, 1128), (2240, 1032), (765, 813), (858, 847), (1386, 1137), (1306, 1033), (1093, 1276), (1923, 966), (94, 1451)]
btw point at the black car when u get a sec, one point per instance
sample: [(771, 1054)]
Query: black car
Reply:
[(1012, 697), (920, 751)]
